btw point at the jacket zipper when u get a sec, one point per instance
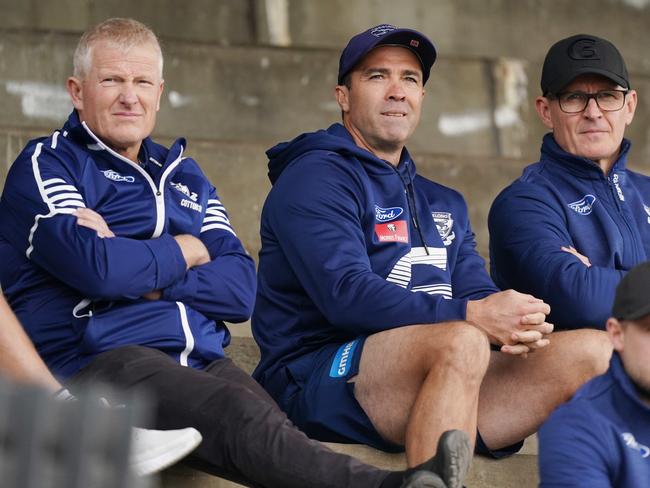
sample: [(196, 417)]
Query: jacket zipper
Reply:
[(410, 201), (618, 197), (158, 192)]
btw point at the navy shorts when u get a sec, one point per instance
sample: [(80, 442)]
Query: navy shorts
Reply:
[(320, 400)]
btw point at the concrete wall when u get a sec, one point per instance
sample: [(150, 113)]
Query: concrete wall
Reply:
[(244, 74)]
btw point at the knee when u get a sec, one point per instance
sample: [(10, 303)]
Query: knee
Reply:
[(595, 351), (581, 355), (465, 349)]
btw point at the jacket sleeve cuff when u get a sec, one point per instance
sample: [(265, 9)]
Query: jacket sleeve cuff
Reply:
[(454, 309), (182, 290), (170, 263)]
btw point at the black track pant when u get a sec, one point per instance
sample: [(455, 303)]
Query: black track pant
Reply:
[(246, 437)]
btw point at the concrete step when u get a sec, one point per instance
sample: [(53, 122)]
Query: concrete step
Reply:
[(518, 471)]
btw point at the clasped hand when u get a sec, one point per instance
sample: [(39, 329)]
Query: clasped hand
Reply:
[(513, 320)]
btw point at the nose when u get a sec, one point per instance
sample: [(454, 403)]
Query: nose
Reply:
[(592, 110), (128, 94), (396, 91)]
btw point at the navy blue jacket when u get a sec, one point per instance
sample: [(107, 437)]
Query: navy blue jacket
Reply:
[(600, 439), (564, 200), (347, 239), (77, 294)]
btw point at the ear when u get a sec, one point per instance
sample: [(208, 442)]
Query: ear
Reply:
[(543, 107), (75, 90), (342, 94), (160, 92), (616, 333), (630, 106)]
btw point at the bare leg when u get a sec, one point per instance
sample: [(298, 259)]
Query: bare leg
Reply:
[(518, 394), (416, 382)]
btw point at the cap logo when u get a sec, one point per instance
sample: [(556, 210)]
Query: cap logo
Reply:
[(584, 49), (382, 30), (414, 43)]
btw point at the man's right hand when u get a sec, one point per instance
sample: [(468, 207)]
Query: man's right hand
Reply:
[(194, 251), (514, 320)]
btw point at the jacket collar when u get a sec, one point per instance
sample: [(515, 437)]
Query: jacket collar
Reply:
[(81, 134), (624, 382), (405, 168), (553, 154)]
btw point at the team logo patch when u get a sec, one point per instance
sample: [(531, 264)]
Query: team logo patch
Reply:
[(445, 224), (647, 210), (343, 360), (115, 176), (184, 190), (382, 30), (392, 232), (584, 205), (386, 214), (631, 442)]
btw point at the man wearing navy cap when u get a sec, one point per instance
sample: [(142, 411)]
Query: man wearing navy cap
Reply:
[(374, 312), (121, 263), (575, 222), (601, 438)]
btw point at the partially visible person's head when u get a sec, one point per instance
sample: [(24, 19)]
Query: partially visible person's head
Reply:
[(117, 83), (586, 97), (382, 72), (629, 326)]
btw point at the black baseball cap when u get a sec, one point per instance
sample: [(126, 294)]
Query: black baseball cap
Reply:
[(582, 54), (382, 35), (632, 300)]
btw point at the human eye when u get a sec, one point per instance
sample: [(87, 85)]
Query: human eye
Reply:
[(574, 97), (108, 80), (608, 95)]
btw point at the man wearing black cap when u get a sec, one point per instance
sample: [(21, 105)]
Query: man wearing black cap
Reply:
[(601, 438), (576, 221), (361, 255)]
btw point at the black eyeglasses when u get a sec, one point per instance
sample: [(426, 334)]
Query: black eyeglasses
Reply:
[(576, 101)]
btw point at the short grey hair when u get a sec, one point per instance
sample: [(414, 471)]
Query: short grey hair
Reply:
[(123, 33)]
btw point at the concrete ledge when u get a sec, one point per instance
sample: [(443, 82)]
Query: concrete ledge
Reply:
[(518, 471)]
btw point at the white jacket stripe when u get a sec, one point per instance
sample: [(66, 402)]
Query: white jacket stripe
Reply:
[(189, 338)]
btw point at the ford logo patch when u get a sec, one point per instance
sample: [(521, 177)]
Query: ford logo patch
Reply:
[(584, 205), (386, 214)]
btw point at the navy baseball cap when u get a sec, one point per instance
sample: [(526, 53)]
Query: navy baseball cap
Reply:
[(632, 300), (387, 35), (582, 54)]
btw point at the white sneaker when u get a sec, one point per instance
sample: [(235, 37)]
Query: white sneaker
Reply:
[(154, 450)]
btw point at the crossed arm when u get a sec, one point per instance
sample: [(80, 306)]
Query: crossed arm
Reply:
[(194, 251)]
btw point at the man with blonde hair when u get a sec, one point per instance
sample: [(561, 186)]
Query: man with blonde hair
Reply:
[(121, 263)]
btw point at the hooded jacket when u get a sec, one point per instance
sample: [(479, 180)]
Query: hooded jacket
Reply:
[(351, 246), (77, 294), (600, 439), (565, 200)]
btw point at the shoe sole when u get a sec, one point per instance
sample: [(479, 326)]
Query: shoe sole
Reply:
[(425, 480), (169, 454), (456, 450)]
